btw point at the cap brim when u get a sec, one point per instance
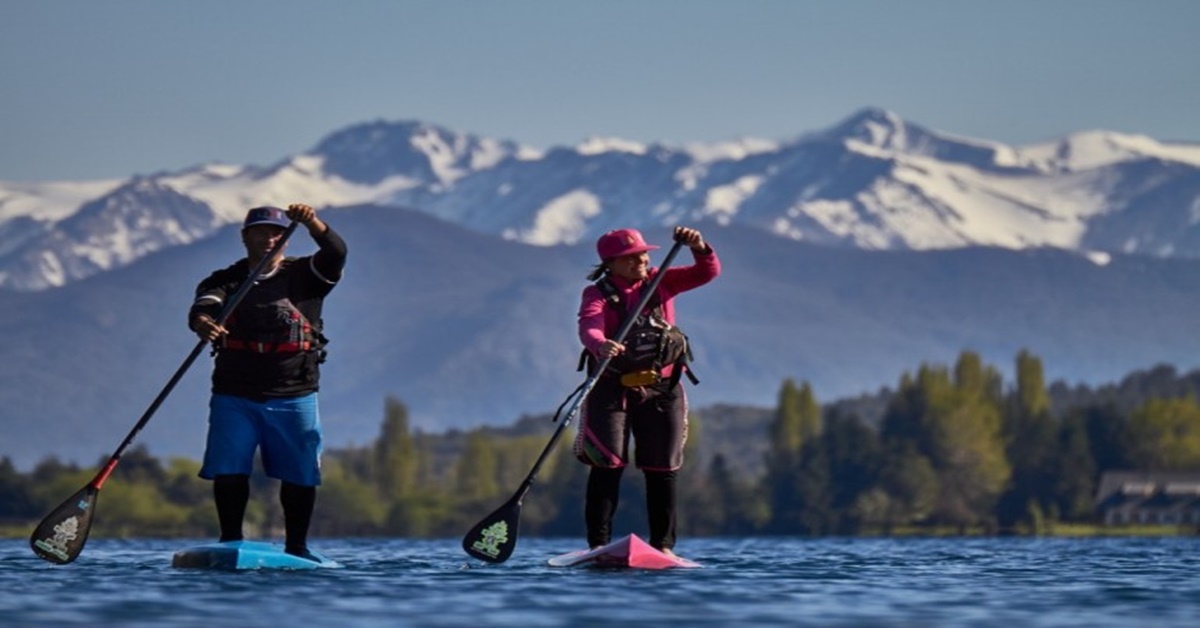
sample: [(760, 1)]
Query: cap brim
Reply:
[(632, 251)]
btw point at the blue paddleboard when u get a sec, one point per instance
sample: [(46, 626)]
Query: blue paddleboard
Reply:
[(236, 555)]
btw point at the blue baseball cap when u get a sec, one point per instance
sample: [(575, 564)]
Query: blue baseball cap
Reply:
[(266, 216)]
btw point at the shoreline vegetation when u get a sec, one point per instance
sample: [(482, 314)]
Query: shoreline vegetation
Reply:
[(952, 451)]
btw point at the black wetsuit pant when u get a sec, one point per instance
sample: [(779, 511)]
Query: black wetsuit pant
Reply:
[(656, 418)]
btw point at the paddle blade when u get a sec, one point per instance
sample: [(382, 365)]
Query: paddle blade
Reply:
[(60, 537), (495, 537)]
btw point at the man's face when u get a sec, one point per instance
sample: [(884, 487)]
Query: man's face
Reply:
[(260, 239)]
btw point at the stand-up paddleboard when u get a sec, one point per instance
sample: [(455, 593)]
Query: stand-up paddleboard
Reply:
[(237, 555), (629, 552)]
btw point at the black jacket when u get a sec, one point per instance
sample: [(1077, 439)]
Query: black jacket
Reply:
[(279, 366)]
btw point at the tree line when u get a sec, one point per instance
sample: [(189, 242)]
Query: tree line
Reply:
[(951, 448)]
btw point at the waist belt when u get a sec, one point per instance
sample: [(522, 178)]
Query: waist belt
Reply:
[(267, 347)]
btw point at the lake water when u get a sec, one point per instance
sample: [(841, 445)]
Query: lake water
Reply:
[(756, 581)]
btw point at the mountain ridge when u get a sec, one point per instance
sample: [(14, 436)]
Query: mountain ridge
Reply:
[(469, 328), (873, 181)]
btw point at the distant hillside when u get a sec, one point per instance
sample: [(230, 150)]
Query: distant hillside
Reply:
[(469, 329)]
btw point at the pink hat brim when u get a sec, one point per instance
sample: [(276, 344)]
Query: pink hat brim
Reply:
[(632, 250)]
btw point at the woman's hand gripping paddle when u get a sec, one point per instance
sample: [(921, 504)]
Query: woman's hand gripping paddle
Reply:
[(60, 537), (495, 537)]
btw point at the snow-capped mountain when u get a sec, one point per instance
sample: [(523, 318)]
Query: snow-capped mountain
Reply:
[(872, 181), (471, 329)]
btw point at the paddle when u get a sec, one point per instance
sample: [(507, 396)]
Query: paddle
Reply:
[(495, 537), (60, 537)]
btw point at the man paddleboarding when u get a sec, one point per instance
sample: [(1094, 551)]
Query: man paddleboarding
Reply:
[(267, 369)]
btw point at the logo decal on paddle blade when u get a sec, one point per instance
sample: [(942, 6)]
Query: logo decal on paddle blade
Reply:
[(492, 537), (64, 534)]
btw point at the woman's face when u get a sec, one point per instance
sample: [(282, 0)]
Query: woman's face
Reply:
[(632, 267)]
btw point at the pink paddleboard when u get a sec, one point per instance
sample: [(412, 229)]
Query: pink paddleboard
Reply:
[(629, 552)]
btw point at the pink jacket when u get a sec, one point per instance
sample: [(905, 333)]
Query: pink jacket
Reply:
[(597, 322)]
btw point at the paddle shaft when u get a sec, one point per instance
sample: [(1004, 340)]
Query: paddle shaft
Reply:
[(233, 302), (590, 382)]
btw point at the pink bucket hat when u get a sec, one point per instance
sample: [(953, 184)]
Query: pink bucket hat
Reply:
[(622, 242)]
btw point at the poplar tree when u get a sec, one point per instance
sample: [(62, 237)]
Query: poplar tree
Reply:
[(1032, 441), (1074, 483), (797, 418), (395, 467), (475, 472), (793, 431), (1032, 398), (969, 450)]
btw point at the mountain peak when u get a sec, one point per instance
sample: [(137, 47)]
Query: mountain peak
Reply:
[(877, 127), (1091, 149), (595, 145), (370, 152)]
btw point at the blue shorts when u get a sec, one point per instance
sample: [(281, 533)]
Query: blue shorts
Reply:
[(287, 429)]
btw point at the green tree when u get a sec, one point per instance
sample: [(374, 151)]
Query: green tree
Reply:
[(1033, 400), (395, 460), (1031, 435), (137, 465), (969, 448), (796, 424), (475, 473), (854, 456), (132, 509), (811, 509), (797, 418), (348, 505), (1074, 477), (910, 484), (16, 500), (723, 503), (1165, 435), (1108, 435), (955, 425)]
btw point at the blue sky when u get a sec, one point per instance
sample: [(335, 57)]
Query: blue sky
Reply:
[(120, 87)]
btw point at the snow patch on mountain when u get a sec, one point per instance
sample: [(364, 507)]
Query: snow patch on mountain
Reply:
[(729, 151), (873, 181), (1096, 149), (300, 179), (49, 200), (722, 202), (601, 145), (563, 219)]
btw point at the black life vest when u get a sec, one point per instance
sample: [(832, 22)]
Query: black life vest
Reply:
[(271, 327), (267, 321), (650, 345)]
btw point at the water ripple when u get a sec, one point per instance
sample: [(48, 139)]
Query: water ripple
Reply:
[(753, 581)]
